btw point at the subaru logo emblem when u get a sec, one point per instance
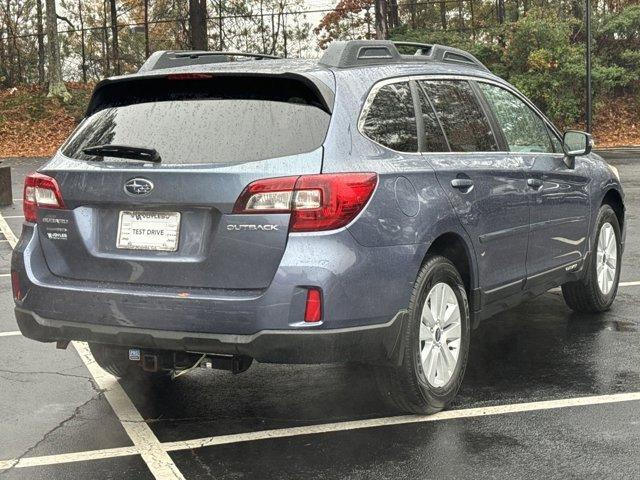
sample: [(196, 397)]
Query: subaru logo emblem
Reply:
[(138, 187)]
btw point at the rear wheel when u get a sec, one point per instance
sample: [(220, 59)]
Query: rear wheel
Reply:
[(435, 339), (115, 360), (597, 290)]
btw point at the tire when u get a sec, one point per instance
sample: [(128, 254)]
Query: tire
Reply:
[(587, 295), (115, 360), (408, 387)]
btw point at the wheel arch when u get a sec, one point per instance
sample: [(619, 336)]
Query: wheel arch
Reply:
[(455, 248), (613, 198)]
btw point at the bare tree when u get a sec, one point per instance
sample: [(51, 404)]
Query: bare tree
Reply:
[(382, 25), (198, 24), (443, 14), (146, 29), (57, 87), (41, 53), (115, 48), (82, 43)]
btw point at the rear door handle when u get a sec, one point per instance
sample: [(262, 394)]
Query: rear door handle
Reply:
[(462, 183), (535, 183)]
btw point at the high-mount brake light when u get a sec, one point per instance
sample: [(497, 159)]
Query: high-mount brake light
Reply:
[(189, 76), (40, 191), (316, 202)]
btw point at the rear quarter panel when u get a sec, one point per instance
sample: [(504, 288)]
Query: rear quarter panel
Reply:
[(408, 206)]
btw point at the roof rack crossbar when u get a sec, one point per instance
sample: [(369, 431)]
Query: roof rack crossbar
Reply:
[(180, 58), (356, 53), (258, 56)]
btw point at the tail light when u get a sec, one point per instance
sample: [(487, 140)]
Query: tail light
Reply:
[(40, 191), (316, 202), (313, 307)]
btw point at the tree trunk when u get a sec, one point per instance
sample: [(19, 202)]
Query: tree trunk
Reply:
[(57, 87), (412, 11), (500, 11), (41, 52), (115, 48), (220, 25), (264, 43), (394, 21), (198, 24), (105, 41), (146, 29), (443, 14), (83, 52), (382, 26)]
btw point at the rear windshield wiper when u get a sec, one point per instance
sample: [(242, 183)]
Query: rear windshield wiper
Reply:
[(123, 151)]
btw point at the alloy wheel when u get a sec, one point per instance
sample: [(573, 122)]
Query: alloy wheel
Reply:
[(606, 258), (440, 334)]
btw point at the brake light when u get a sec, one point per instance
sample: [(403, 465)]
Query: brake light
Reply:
[(313, 307), (40, 191), (189, 76), (316, 202)]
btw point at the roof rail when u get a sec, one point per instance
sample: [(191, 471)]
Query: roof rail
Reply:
[(180, 58), (356, 53)]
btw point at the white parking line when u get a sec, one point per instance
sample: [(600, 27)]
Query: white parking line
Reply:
[(68, 458), (155, 453), (5, 274), (628, 284), (327, 428), (145, 441), (13, 216), (7, 232), (15, 333), (406, 419), (147, 444)]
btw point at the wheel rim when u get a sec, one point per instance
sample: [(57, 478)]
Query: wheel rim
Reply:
[(606, 258), (440, 331)]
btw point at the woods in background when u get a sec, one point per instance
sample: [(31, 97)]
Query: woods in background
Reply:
[(99, 38), (536, 44)]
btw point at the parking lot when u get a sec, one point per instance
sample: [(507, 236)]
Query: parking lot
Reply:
[(548, 393)]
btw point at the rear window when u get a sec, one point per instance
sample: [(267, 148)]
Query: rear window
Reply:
[(206, 125)]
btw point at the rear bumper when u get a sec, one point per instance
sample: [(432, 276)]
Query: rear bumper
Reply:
[(360, 311), (371, 344)]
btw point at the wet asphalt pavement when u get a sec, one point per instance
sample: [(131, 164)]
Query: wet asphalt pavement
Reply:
[(538, 352)]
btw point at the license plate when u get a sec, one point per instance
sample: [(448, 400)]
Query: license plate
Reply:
[(148, 231)]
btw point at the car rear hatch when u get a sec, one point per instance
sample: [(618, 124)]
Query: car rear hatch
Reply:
[(172, 223)]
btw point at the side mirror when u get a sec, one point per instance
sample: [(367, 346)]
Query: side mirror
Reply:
[(575, 144)]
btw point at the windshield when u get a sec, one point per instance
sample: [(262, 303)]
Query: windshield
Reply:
[(205, 130)]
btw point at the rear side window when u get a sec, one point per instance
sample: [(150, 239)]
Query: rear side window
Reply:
[(390, 118), (464, 123), (523, 129), (433, 140), (209, 122)]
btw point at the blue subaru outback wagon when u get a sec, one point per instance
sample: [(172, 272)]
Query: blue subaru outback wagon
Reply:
[(368, 207)]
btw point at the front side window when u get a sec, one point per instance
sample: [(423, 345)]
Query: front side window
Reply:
[(463, 120), (390, 118), (523, 129)]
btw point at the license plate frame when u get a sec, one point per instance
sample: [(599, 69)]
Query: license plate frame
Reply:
[(130, 221)]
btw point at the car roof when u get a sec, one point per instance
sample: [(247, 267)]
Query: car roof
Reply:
[(359, 63), (379, 58)]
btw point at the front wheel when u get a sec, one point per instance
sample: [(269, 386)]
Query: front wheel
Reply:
[(597, 290), (435, 339)]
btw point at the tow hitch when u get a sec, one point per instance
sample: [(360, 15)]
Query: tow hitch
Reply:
[(181, 363)]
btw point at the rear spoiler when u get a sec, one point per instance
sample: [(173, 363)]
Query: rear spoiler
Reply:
[(182, 58), (127, 90)]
